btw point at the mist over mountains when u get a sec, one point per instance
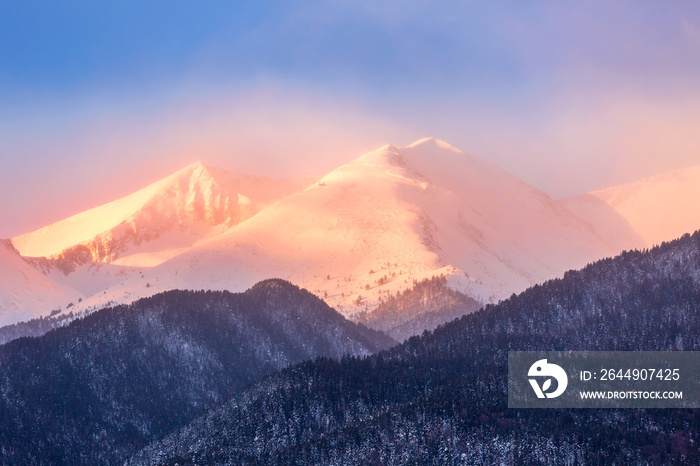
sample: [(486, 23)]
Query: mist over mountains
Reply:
[(355, 237)]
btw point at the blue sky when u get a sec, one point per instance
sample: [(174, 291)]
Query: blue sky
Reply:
[(78, 47), (98, 98)]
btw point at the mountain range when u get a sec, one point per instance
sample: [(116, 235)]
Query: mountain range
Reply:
[(94, 391), (158, 221), (143, 335), (356, 237), (441, 398)]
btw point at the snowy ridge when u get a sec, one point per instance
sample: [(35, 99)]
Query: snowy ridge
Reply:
[(356, 236), (25, 293), (659, 208), (189, 198), (369, 228), (152, 224)]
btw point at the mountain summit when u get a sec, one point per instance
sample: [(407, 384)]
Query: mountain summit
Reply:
[(359, 235), (370, 228), (150, 225)]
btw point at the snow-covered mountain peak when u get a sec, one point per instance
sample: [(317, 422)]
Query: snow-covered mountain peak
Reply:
[(384, 169), (388, 147), (430, 143), (195, 195), (198, 165), (167, 215), (363, 232), (425, 162), (371, 227), (385, 156)]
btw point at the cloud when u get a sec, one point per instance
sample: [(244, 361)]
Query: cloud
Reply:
[(57, 165), (573, 141), (568, 97), (584, 141)]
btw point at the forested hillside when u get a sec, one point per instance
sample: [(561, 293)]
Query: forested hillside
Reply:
[(102, 387), (425, 306), (441, 398)]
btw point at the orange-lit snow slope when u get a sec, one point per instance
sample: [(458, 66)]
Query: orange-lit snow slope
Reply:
[(157, 222), (659, 208), (392, 216), (25, 293)]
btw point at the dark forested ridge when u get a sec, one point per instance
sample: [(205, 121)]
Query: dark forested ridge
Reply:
[(442, 398), (98, 389), (34, 327), (425, 306)]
